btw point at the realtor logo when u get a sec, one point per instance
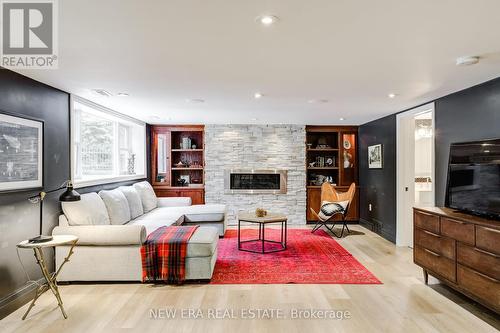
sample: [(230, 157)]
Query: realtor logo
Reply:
[(29, 34)]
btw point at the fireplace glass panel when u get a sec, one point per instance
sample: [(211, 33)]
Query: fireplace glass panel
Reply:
[(254, 181)]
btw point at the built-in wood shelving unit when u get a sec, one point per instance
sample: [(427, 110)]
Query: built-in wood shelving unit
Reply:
[(177, 168), (331, 155)]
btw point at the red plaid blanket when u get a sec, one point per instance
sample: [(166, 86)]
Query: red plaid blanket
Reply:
[(164, 254)]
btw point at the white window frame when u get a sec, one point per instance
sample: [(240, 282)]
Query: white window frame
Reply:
[(114, 114), (129, 144)]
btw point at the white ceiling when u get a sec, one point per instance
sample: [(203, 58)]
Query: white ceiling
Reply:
[(350, 52)]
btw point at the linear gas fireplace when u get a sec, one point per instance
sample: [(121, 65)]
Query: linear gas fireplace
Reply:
[(255, 181)]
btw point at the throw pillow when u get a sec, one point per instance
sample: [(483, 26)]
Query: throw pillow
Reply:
[(148, 196), (328, 209), (89, 210), (134, 201), (117, 206)]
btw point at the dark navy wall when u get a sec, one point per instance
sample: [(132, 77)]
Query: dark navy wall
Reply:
[(19, 219), (470, 114), (378, 186)]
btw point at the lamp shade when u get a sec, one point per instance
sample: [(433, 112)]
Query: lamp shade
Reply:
[(69, 194)]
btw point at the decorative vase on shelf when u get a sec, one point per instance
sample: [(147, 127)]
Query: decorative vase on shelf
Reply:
[(131, 164), (186, 143), (347, 160)]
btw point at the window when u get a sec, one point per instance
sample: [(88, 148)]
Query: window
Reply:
[(106, 146)]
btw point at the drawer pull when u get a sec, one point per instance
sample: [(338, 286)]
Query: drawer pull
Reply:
[(494, 230), (431, 233), (425, 214), (485, 276), (487, 253), (456, 221), (433, 253)]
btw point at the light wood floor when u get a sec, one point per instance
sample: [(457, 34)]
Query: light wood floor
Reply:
[(402, 304)]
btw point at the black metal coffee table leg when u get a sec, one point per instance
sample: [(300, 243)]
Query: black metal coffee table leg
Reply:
[(262, 239), (286, 223), (239, 236)]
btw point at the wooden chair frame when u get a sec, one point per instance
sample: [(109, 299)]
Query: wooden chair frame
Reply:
[(328, 193)]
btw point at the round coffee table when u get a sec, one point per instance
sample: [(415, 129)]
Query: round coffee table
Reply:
[(262, 221)]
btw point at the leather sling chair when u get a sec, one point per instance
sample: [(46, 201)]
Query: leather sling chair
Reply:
[(328, 193)]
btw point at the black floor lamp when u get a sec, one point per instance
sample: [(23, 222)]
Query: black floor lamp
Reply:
[(69, 195)]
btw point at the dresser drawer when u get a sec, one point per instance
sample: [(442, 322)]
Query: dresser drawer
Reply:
[(436, 243), (488, 239), (426, 221), (479, 260), (480, 285), (461, 231), (435, 262)]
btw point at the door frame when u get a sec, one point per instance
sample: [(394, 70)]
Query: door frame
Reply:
[(406, 146)]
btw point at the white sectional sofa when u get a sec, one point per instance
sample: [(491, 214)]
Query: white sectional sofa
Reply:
[(113, 225)]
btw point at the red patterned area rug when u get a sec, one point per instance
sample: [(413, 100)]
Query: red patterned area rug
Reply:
[(309, 259)]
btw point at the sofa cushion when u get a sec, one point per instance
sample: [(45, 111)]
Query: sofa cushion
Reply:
[(196, 213), (153, 224), (134, 201), (174, 201), (162, 214), (89, 210), (148, 196), (190, 215), (117, 206), (203, 242), (205, 213)]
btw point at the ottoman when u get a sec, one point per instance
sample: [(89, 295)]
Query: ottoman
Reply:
[(202, 253)]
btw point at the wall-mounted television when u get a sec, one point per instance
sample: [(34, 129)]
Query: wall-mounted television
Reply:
[(474, 178)]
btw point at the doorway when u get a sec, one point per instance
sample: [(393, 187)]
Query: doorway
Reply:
[(415, 168)]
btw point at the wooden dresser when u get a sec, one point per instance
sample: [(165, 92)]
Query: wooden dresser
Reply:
[(461, 250)]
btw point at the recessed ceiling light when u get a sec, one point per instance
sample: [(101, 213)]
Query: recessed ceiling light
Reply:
[(123, 94), (195, 100), (254, 119), (258, 95), (317, 101), (102, 92), (341, 118), (467, 61), (392, 95), (267, 20)]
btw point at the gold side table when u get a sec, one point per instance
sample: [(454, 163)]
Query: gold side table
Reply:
[(50, 278)]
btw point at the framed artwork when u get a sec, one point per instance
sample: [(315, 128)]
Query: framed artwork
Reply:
[(375, 157), (21, 153)]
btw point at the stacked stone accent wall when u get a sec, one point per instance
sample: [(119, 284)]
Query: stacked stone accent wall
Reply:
[(257, 147)]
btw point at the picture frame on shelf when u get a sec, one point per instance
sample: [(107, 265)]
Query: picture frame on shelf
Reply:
[(330, 161), (21, 153), (375, 156)]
